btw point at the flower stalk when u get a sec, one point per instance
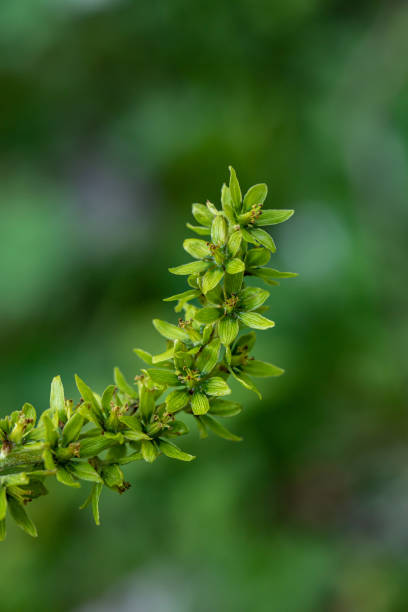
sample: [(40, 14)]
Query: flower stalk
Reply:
[(138, 421)]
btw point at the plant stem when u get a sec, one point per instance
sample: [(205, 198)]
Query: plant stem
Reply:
[(20, 462)]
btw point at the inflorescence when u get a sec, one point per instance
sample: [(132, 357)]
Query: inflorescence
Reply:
[(93, 439)]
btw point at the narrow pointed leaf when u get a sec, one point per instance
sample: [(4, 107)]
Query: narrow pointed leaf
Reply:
[(190, 294), (84, 471), (21, 517), (170, 331), (263, 238), (65, 477), (3, 503), (202, 215), (255, 320), (198, 229), (72, 429), (246, 382), (224, 408), (174, 452), (195, 267), (144, 355), (236, 195), (198, 249), (262, 369), (219, 429), (255, 195), (273, 217), (123, 384)]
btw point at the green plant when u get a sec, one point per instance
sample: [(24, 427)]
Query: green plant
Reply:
[(93, 439)]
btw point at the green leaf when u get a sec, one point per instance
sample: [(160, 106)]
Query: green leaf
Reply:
[(246, 382), (198, 249), (207, 359), (234, 243), (170, 331), (255, 195), (202, 215), (147, 403), (268, 273), (219, 429), (107, 398), (219, 230), (96, 494), (194, 267), (224, 408), (216, 386), (199, 403), (201, 231), (273, 217), (131, 421), (258, 256), (211, 279), (234, 266), (233, 282), (135, 436), (65, 477), (235, 189), (122, 383), (255, 320), (144, 355), (263, 238), (57, 398), (190, 294), (163, 377), (3, 503), (94, 445), (261, 369), (149, 451), (51, 435), (177, 400), (21, 517), (173, 451), (248, 237), (112, 475), (252, 298), (226, 202), (164, 356), (228, 329), (87, 394), (202, 430), (209, 314), (84, 471), (245, 343), (91, 414), (72, 429), (3, 530)]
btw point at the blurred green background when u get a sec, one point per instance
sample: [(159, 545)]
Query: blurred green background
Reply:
[(115, 117)]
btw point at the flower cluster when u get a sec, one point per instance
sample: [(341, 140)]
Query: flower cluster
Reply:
[(94, 439)]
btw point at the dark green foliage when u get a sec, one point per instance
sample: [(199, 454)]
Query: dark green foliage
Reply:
[(135, 421)]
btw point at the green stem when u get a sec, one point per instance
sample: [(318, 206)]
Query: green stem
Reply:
[(20, 462)]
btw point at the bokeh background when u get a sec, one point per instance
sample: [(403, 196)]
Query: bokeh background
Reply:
[(115, 117)]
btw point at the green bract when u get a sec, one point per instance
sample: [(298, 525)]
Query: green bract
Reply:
[(137, 420)]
